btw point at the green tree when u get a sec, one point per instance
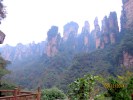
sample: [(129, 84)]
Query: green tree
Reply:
[(3, 70), (120, 93), (52, 94), (2, 11), (130, 87), (2, 61), (83, 88)]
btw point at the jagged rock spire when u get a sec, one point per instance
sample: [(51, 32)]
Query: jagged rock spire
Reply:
[(105, 25), (113, 27), (85, 36), (52, 36), (86, 27), (113, 23), (96, 25), (70, 28), (96, 33)]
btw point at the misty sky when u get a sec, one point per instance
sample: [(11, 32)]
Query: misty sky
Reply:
[(29, 20)]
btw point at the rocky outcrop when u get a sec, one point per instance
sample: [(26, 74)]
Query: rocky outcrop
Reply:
[(51, 48), (69, 29), (105, 31), (53, 40), (71, 40), (127, 59), (85, 34), (7, 52), (110, 28), (108, 33), (70, 36), (127, 14), (96, 33), (20, 51), (113, 27), (86, 41)]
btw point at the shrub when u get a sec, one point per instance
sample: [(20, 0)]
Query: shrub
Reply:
[(83, 88), (52, 94)]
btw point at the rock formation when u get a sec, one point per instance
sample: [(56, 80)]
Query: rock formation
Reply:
[(71, 40), (53, 38), (70, 36), (85, 34), (113, 27), (105, 31), (70, 28), (86, 41), (127, 24), (127, 14), (20, 51), (127, 59), (110, 28), (96, 33), (108, 32), (7, 51)]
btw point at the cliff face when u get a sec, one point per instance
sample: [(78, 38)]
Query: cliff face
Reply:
[(85, 34), (70, 29), (113, 27), (85, 41), (127, 59), (127, 14), (96, 33), (53, 40), (51, 49), (127, 24), (105, 31), (107, 34)]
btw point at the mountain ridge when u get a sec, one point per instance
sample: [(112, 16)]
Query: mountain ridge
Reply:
[(86, 41), (103, 52)]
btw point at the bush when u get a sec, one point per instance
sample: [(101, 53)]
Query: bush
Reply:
[(83, 88), (52, 94)]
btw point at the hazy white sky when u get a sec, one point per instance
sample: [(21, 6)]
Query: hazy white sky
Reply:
[(29, 20)]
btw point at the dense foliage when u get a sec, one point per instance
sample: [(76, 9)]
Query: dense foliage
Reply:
[(52, 94), (2, 11), (3, 70), (83, 88), (119, 89)]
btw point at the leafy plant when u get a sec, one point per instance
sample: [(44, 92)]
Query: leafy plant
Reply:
[(121, 93), (3, 64), (52, 94), (82, 88)]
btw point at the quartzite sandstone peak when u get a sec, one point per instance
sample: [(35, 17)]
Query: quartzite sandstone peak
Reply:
[(52, 38), (86, 40)]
